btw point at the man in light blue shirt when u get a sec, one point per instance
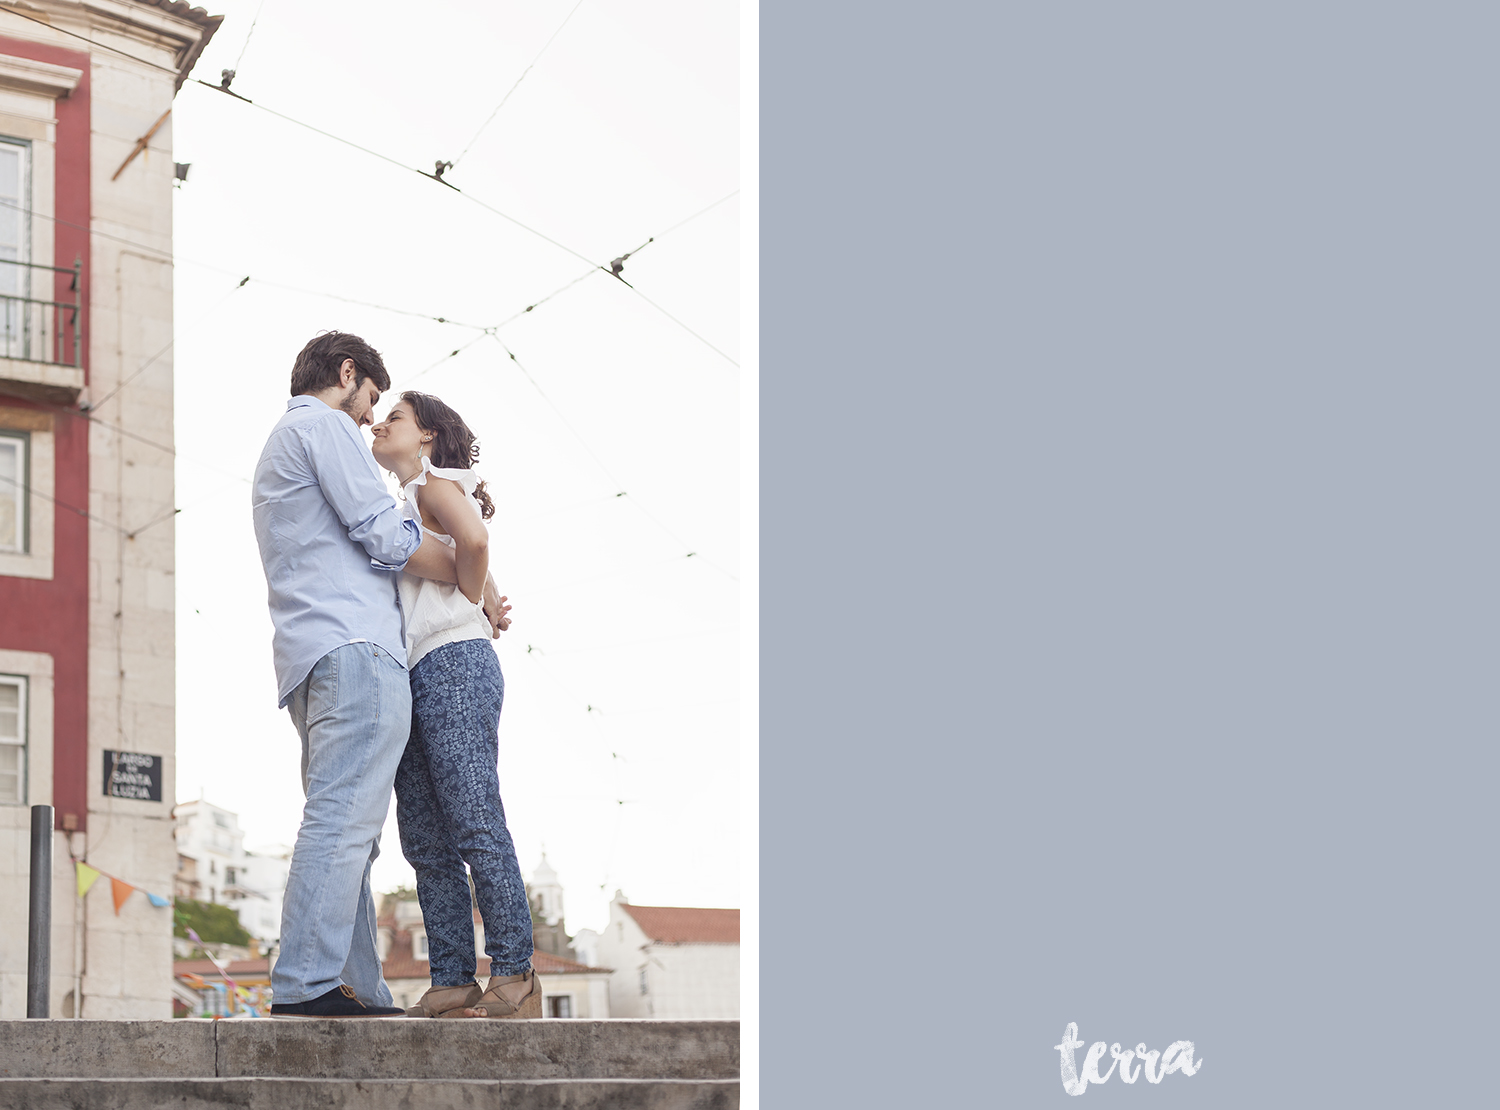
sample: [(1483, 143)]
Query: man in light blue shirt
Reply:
[(333, 543)]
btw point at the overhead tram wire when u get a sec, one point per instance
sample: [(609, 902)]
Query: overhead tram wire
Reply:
[(171, 256), (88, 413), (563, 289), (162, 447), (469, 146), (592, 270), (174, 258), (128, 533), (470, 197), (396, 389), (683, 326), (395, 162), (371, 304), (695, 215), (308, 126), (249, 35), (691, 554), (92, 42), (83, 414), (94, 405), (374, 154)]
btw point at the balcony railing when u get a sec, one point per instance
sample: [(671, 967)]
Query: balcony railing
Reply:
[(43, 331)]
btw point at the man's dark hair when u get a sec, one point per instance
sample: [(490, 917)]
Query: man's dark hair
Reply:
[(317, 365)]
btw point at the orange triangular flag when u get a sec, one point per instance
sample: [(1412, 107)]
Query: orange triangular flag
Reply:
[(121, 891), (86, 877)]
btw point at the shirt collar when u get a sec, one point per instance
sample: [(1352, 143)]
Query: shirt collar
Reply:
[(305, 400)]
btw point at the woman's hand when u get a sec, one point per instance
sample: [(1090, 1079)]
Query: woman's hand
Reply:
[(496, 609)]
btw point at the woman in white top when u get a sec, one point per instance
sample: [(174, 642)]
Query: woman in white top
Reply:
[(447, 788)]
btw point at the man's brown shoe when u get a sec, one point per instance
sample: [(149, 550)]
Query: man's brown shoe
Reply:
[(446, 1002), (515, 1002)]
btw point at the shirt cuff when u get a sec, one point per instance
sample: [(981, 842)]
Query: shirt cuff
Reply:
[(414, 534)]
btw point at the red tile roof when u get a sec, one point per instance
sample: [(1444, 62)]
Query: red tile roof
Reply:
[(686, 924), (205, 968), (399, 963), (548, 964)]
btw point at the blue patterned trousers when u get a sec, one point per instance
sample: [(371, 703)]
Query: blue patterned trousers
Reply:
[(449, 811)]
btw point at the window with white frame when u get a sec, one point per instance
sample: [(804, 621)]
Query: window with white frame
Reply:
[(12, 740), (15, 280), (13, 461), (560, 1005), (419, 945)]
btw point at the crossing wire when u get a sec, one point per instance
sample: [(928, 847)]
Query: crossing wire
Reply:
[(94, 406), (517, 85), (600, 462), (27, 489), (402, 165), (593, 269), (250, 35), (174, 258), (683, 326), (384, 158), (451, 354), (121, 431), (308, 126)]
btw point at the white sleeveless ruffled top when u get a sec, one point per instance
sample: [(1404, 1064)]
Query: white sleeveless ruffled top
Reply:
[(437, 613)]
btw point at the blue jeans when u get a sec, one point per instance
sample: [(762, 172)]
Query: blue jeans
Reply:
[(353, 711), (449, 812)]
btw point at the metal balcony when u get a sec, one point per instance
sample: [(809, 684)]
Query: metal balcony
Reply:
[(41, 341)]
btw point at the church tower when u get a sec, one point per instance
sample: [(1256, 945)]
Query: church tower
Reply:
[(545, 893)]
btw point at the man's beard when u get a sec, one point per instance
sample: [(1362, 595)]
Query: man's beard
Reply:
[(348, 403)]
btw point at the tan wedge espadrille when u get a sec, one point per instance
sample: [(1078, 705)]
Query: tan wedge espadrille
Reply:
[(446, 1002), (494, 1004)]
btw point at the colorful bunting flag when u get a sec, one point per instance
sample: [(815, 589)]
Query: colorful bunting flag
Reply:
[(86, 877), (120, 888), (196, 939)]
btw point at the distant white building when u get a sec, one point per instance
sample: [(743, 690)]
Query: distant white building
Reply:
[(259, 889), (680, 962), (586, 947), (213, 866)]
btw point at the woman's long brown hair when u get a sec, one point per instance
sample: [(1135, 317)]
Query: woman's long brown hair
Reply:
[(453, 445)]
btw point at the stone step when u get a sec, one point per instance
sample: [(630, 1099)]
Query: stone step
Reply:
[(371, 1049), (370, 1094)]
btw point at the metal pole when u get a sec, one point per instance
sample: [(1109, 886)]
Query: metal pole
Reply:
[(39, 939)]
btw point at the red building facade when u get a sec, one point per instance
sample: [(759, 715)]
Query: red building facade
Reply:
[(87, 629)]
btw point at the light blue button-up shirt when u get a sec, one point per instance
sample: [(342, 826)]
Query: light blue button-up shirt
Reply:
[(331, 540)]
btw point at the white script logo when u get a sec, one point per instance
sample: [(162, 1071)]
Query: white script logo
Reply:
[(1177, 1057)]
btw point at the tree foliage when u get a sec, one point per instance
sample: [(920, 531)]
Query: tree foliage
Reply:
[(213, 923)]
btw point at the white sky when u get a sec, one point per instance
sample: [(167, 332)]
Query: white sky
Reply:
[(627, 124)]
